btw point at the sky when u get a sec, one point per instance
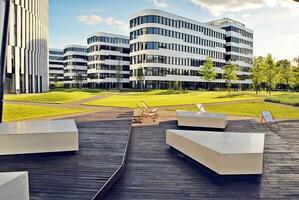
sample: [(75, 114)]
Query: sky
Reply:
[(275, 22)]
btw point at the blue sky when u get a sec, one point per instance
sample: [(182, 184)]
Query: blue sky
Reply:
[(275, 22)]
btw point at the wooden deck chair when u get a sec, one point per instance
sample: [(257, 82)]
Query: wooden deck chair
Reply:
[(268, 119), (145, 114), (150, 110), (201, 108)]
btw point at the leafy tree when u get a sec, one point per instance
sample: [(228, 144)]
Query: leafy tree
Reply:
[(230, 74), (208, 71), (271, 73), (79, 78), (286, 74), (296, 60), (296, 72), (257, 73), (140, 77), (118, 75)]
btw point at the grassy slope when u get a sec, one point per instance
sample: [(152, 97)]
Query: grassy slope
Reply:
[(172, 98), (13, 112), (251, 109), (290, 99), (51, 97)]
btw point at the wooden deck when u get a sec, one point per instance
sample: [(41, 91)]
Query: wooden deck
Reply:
[(68, 176), (154, 171)]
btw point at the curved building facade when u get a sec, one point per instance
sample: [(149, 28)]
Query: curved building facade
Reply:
[(167, 50), (108, 61), (56, 66), (27, 54), (75, 66)]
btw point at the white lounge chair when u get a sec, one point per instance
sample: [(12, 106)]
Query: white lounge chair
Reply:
[(226, 153), (268, 119), (201, 119), (201, 108)]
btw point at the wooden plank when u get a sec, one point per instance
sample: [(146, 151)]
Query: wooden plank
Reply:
[(155, 171), (78, 175)]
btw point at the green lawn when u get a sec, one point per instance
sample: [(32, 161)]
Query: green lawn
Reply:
[(290, 99), (13, 112), (251, 109), (172, 98), (56, 97)]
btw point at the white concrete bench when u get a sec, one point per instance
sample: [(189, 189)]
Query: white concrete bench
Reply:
[(14, 186), (226, 153), (201, 119), (38, 137)]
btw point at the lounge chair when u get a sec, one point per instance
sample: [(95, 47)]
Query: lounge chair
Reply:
[(149, 109), (146, 114), (201, 119), (268, 119), (201, 108)]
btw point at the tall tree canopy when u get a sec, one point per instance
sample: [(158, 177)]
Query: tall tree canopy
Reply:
[(230, 74), (271, 73), (286, 73), (208, 70), (257, 73)]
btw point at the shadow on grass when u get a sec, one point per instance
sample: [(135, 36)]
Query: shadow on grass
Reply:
[(70, 90), (168, 92), (232, 95)]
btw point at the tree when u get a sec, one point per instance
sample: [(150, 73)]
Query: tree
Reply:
[(286, 74), (296, 72), (118, 75), (257, 73), (140, 77), (79, 78), (230, 74), (208, 71), (296, 60), (271, 73)]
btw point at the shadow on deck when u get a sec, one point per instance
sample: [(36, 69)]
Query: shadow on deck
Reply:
[(155, 171)]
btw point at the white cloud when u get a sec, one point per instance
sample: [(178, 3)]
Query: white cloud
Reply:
[(110, 21), (90, 19), (218, 7), (159, 3), (123, 26)]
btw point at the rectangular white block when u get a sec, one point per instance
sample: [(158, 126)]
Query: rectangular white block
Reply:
[(14, 186), (38, 137), (226, 153), (201, 119)]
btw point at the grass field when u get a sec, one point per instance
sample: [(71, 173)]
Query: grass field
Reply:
[(13, 112), (251, 109), (55, 97), (289, 99), (172, 98)]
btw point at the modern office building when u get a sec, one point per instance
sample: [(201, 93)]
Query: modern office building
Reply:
[(75, 66), (167, 49), (239, 45), (27, 53), (56, 66), (108, 61)]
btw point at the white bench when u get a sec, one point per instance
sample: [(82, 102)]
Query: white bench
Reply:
[(14, 186), (201, 119), (38, 137), (226, 153)]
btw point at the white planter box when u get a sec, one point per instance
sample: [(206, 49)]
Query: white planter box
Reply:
[(201, 119), (14, 186), (38, 137), (226, 153)]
